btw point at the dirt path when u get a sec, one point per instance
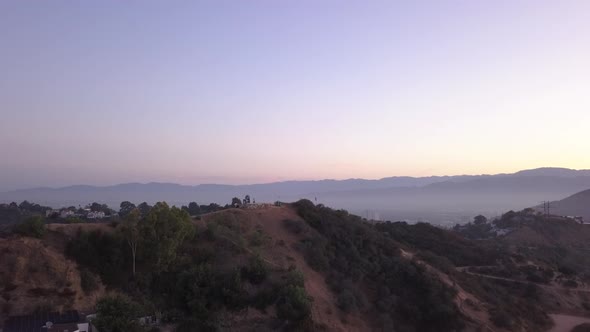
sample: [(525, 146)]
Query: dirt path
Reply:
[(565, 323), (523, 281)]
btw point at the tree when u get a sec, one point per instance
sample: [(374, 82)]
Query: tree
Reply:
[(194, 209), (130, 229), (95, 207), (163, 231), (33, 226), (117, 313), (235, 202), (25, 206), (144, 209), (480, 220), (125, 208)]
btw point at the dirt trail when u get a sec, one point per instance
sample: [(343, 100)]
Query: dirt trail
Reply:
[(584, 290), (468, 303), (565, 323)]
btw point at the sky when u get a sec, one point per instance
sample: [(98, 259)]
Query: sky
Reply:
[(106, 92)]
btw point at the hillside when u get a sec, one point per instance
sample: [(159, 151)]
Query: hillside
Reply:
[(36, 275), (574, 205), (303, 267)]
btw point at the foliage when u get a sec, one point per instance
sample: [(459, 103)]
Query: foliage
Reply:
[(163, 231), (256, 271), (193, 209), (33, 226), (131, 233), (144, 208), (73, 220), (117, 313), (360, 253), (102, 253), (125, 208), (89, 281), (294, 304)]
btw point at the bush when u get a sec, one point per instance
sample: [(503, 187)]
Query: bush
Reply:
[(74, 220), (257, 271), (89, 281), (294, 226), (501, 319), (117, 313), (294, 304), (295, 278), (346, 301), (32, 226)]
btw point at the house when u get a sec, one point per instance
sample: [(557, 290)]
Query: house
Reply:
[(577, 219), (95, 215), (67, 321)]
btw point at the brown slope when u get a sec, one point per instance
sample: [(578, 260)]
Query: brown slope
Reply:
[(280, 252), (35, 275)]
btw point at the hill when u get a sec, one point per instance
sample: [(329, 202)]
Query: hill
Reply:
[(574, 205), (441, 200), (303, 267)]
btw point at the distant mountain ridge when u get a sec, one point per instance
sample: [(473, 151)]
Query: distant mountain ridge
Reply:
[(433, 198)]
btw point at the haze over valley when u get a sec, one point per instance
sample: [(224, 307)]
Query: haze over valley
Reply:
[(441, 200)]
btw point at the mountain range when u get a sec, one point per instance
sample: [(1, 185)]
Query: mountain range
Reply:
[(437, 199)]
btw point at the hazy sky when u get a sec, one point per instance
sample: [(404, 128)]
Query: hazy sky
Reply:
[(103, 92)]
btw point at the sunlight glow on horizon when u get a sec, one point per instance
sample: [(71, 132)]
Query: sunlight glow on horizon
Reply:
[(212, 92)]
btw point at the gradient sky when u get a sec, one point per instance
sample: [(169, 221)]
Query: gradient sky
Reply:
[(104, 92)]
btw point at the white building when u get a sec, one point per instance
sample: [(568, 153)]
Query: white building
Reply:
[(95, 215)]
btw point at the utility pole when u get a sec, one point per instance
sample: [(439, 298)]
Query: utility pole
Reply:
[(547, 208)]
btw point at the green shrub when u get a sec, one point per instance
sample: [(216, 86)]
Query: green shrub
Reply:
[(89, 281), (117, 313), (256, 271), (295, 278), (295, 226), (294, 304), (33, 226)]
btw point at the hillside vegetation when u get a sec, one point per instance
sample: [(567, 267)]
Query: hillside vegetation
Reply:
[(300, 267)]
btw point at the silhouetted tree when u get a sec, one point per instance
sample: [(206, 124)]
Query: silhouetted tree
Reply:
[(194, 209), (125, 208)]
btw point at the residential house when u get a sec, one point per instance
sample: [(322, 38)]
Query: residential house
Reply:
[(68, 321)]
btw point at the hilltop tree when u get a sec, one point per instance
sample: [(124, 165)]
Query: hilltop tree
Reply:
[(236, 202), (144, 208), (194, 209), (130, 229), (125, 208), (480, 220)]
